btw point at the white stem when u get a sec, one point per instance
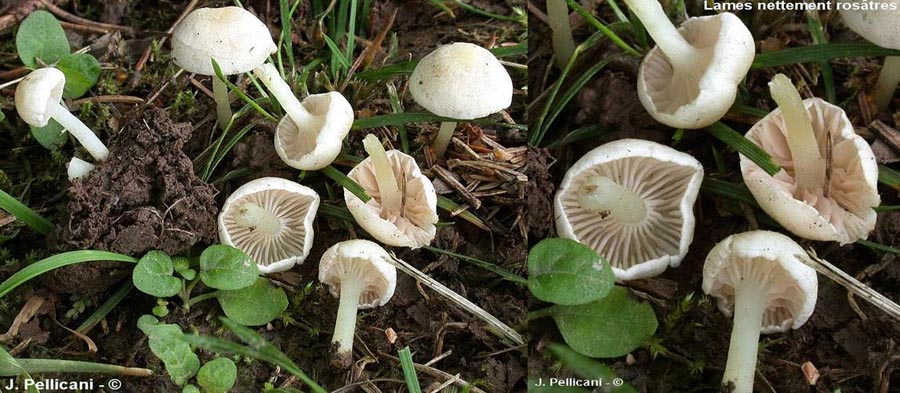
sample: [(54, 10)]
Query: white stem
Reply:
[(680, 52), (445, 134), (563, 43), (223, 105), (81, 132), (257, 218), (282, 92), (391, 197), (887, 82), (809, 166), (79, 168), (604, 196), (749, 308), (345, 325)]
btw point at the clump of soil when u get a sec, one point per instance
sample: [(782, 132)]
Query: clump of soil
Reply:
[(145, 197)]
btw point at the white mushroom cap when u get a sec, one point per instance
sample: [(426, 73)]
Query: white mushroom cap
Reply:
[(233, 36), (846, 215), (880, 27), (270, 219), (665, 181), (413, 228), (318, 143), (695, 97), (366, 260), (461, 81), (36, 92), (78, 168), (775, 261)]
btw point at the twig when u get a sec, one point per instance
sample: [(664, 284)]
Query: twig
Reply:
[(852, 284), (139, 66), (15, 15), (109, 99), (100, 26)]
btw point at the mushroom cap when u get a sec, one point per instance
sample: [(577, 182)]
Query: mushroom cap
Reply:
[(696, 98), (880, 27), (237, 39), (319, 143), (461, 81), (39, 89), (415, 227), (667, 180), (367, 260), (846, 215), (792, 284), (295, 206)]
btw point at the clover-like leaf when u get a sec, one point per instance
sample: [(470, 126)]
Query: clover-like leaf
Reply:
[(563, 271), (82, 72), (153, 275), (51, 136), (217, 376), (40, 36), (225, 267), (167, 343), (255, 305)]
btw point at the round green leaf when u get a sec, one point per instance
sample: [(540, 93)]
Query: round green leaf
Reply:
[(41, 37), (167, 342), (82, 72), (217, 376), (607, 328), (225, 267), (563, 271), (153, 275), (255, 305), (51, 136), (190, 389)]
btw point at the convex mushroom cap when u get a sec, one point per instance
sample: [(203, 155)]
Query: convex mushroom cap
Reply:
[(319, 142), (270, 219), (631, 201), (235, 38)]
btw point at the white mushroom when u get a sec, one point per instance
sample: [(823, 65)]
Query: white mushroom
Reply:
[(403, 208), (319, 143), (760, 278), (78, 168), (359, 273), (270, 219), (880, 26), (563, 42), (460, 81), (631, 201), (38, 100), (690, 79), (802, 197)]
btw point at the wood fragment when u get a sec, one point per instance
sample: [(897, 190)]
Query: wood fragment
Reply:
[(886, 133), (451, 180)]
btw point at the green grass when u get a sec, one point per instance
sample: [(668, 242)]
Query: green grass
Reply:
[(409, 371), (57, 261), (24, 213)]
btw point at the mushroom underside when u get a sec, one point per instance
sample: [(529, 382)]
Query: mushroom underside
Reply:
[(374, 282), (298, 142), (288, 241)]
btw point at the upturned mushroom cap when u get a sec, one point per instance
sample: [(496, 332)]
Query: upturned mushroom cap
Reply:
[(36, 91), (317, 144), (293, 205), (880, 27), (362, 259), (697, 97), (845, 215), (775, 261), (233, 36), (413, 228), (667, 182), (461, 81)]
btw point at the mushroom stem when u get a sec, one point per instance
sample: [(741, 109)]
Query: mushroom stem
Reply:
[(443, 138), (81, 132), (749, 308), (78, 168), (558, 19), (223, 106), (257, 218), (680, 52), (282, 92), (887, 82), (345, 324), (391, 197), (604, 196), (809, 166)]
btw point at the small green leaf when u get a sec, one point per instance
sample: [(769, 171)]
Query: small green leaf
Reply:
[(82, 72), (167, 343), (225, 267), (607, 328), (51, 136), (41, 37), (188, 274), (563, 271), (190, 389), (255, 305), (153, 275), (2, 116), (217, 376)]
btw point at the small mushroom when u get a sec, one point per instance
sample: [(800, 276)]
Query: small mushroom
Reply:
[(880, 27), (78, 168), (38, 99), (758, 277), (359, 273), (270, 219), (804, 138), (461, 81), (403, 208), (631, 201), (563, 42), (690, 79), (316, 144)]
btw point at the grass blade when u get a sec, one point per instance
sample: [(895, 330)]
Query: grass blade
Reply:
[(346, 182), (240, 93), (824, 52), (407, 67), (889, 177), (24, 213), (104, 310), (818, 36), (397, 107), (58, 261), (37, 366), (505, 274), (744, 146), (728, 190), (409, 371), (591, 20), (453, 208)]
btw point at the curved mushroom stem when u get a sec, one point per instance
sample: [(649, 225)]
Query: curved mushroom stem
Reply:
[(604, 196), (223, 106), (443, 138), (749, 307), (345, 324), (282, 92), (563, 43), (809, 166), (887, 82), (257, 218), (78, 168), (391, 197), (680, 52), (85, 136)]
